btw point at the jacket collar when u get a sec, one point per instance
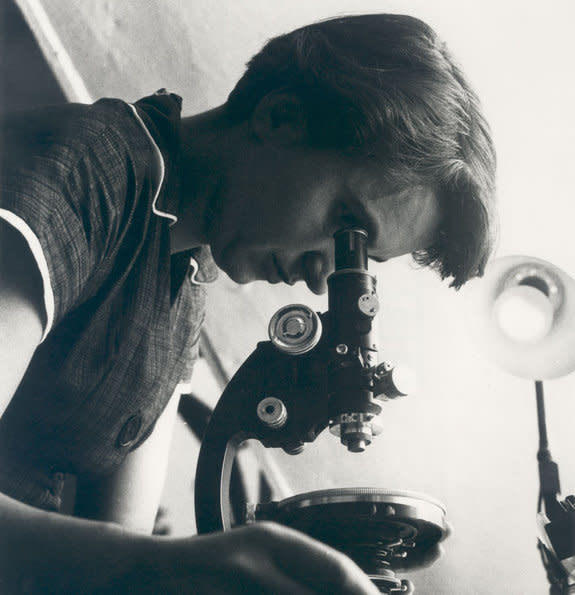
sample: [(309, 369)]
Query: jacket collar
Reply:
[(161, 116)]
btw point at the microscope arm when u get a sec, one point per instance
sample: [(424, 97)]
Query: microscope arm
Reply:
[(276, 398)]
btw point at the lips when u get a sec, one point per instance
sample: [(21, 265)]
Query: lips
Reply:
[(283, 274)]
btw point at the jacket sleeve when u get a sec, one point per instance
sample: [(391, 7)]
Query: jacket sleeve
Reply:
[(71, 177)]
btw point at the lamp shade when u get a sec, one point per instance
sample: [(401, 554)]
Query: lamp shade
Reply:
[(521, 314)]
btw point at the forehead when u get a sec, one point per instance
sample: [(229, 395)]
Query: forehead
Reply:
[(398, 221)]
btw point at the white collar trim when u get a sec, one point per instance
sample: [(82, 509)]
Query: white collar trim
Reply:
[(161, 170)]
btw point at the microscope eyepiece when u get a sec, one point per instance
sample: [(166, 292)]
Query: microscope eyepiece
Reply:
[(351, 249)]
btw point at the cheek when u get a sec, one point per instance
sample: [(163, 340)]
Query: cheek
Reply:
[(290, 211), (280, 217)]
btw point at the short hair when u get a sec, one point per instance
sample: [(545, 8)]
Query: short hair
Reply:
[(384, 87)]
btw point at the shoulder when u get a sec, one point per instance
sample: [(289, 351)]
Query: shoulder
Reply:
[(109, 124), (70, 130), (74, 180)]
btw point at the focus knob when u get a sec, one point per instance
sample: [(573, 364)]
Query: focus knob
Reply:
[(295, 329)]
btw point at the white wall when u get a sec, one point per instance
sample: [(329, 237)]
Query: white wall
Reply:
[(468, 437)]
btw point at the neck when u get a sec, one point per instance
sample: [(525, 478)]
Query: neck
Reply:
[(206, 144)]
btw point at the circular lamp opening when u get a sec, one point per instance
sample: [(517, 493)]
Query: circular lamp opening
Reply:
[(524, 313), (522, 316)]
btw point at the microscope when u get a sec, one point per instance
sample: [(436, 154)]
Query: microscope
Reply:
[(319, 371)]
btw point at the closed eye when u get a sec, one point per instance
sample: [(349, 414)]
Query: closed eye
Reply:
[(344, 216)]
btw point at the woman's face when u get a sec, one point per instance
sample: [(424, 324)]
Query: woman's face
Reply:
[(279, 208)]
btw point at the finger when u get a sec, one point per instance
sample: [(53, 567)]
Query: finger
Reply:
[(238, 561), (258, 574), (320, 566)]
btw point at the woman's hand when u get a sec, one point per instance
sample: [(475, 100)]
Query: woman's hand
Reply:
[(261, 558)]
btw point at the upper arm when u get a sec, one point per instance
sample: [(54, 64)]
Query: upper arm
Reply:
[(21, 310), (131, 495), (71, 183)]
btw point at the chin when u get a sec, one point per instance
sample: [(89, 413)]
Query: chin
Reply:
[(239, 275), (235, 265)]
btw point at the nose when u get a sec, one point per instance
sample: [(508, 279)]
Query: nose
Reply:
[(316, 268)]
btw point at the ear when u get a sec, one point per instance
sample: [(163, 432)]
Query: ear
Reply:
[(280, 117)]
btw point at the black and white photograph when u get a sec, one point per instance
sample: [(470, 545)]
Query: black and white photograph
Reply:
[(287, 297)]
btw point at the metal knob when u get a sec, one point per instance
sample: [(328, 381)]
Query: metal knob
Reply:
[(295, 329), (272, 412)]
